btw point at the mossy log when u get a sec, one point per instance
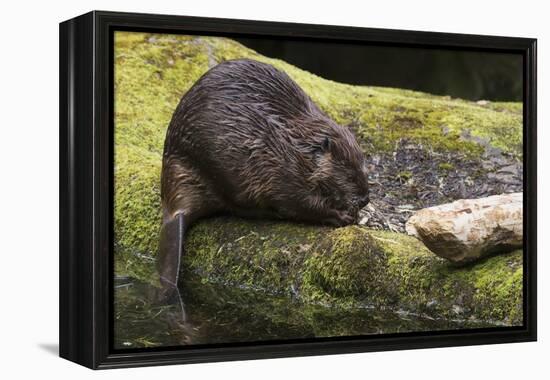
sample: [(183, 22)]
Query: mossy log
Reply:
[(354, 266), (348, 265)]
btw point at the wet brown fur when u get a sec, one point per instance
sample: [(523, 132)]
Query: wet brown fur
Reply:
[(247, 140)]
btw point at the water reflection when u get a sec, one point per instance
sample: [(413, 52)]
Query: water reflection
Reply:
[(223, 314)]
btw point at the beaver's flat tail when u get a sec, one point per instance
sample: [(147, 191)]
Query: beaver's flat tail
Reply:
[(169, 258)]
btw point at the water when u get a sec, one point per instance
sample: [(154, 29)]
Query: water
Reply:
[(224, 314)]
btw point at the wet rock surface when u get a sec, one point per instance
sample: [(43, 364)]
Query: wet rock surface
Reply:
[(414, 177)]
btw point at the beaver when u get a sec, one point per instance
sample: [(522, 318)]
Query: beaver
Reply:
[(247, 140)]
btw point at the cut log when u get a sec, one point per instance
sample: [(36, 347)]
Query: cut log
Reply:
[(468, 229)]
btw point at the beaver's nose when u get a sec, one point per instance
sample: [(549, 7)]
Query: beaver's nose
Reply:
[(364, 201)]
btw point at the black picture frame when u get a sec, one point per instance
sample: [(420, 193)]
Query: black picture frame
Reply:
[(86, 189)]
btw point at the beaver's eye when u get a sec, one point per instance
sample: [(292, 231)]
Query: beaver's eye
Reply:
[(325, 146)]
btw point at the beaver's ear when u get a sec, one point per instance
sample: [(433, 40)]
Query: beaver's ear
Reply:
[(321, 147)]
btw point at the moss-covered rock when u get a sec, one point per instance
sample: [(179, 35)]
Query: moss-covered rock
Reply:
[(354, 266), (348, 265)]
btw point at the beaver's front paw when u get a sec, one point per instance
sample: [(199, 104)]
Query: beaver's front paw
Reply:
[(340, 218)]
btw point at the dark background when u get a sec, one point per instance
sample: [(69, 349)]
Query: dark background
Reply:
[(461, 74)]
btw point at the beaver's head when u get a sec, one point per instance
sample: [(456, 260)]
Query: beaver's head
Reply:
[(340, 173)]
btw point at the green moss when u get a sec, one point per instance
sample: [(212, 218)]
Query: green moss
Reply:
[(405, 175), (263, 254), (354, 266), (137, 210), (446, 166), (347, 265), (488, 290)]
